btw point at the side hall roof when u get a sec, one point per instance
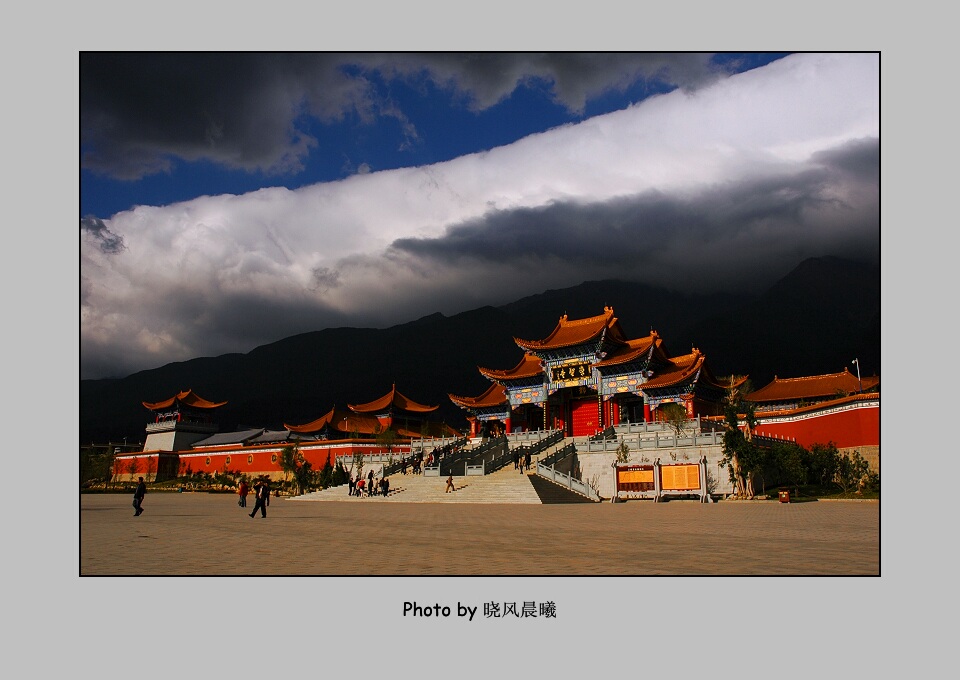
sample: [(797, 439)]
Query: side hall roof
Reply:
[(578, 331), (222, 438), (496, 395), (187, 398), (277, 436), (528, 367), (340, 420), (392, 399), (813, 386)]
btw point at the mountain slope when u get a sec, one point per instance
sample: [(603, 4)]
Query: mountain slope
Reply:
[(815, 320)]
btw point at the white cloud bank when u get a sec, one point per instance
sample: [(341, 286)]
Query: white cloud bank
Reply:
[(749, 175)]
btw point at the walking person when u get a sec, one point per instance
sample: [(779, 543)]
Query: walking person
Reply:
[(138, 495), (243, 490), (262, 491), (526, 460), (352, 485), (450, 485)]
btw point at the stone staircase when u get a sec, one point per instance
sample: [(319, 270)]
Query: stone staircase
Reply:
[(506, 486)]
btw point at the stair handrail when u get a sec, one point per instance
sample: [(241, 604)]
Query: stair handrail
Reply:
[(547, 470)]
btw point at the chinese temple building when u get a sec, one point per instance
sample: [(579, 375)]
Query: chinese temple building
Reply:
[(178, 423), (789, 393), (586, 375), (180, 420), (835, 407)]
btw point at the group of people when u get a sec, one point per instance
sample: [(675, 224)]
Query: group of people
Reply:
[(261, 492), (415, 462), (369, 486), (521, 462)]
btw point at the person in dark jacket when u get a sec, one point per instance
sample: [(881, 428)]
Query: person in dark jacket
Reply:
[(262, 491), (138, 495)]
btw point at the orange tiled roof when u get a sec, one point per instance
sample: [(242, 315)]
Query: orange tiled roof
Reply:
[(340, 420), (569, 333), (680, 369), (829, 385), (528, 367), (683, 368), (187, 398), (812, 408), (395, 399), (495, 395), (632, 350)]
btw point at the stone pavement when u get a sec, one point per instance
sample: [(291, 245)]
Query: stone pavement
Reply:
[(209, 535)]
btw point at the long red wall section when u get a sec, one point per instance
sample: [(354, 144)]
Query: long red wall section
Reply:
[(853, 427)]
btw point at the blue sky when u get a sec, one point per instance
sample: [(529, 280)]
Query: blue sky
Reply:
[(443, 123), (319, 190)]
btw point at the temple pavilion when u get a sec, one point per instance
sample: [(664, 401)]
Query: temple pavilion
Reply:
[(587, 375), (180, 420)]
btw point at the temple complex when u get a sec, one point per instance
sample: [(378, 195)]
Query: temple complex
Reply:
[(586, 375)]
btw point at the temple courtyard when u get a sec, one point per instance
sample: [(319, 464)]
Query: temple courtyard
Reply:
[(205, 534)]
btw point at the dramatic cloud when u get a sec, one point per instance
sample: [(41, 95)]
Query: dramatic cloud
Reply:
[(140, 112), (724, 186)]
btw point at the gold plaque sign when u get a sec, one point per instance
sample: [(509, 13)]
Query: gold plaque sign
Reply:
[(679, 477)]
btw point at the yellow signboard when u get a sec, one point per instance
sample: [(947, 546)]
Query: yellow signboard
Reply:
[(628, 476), (679, 477)]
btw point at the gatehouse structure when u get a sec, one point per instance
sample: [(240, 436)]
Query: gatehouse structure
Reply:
[(586, 375)]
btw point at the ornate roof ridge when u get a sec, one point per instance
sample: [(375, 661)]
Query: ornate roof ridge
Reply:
[(188, 397), (392, 398)]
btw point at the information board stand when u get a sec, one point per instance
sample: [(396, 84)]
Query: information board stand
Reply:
[(657, 481)]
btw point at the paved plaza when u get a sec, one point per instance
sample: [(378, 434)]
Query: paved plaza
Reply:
[(208, 534)]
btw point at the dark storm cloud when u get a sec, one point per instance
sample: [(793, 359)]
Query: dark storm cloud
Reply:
[(741, 234), (141, 112), (107, 241), (485, 79)]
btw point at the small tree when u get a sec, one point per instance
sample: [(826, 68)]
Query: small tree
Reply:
[(134, 467), (288, 460), (623, 453), (743, 457), (151, 469), (788, 460), (340, 475), (852, 470), (326, 474), (822, 461), (675, 417)]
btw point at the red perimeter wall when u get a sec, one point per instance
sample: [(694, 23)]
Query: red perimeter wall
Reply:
[(854, 427)]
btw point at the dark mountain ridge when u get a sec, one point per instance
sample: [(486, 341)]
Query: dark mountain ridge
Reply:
[(815, 320)]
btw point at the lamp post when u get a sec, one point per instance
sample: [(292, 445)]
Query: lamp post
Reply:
[(859, 382)]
